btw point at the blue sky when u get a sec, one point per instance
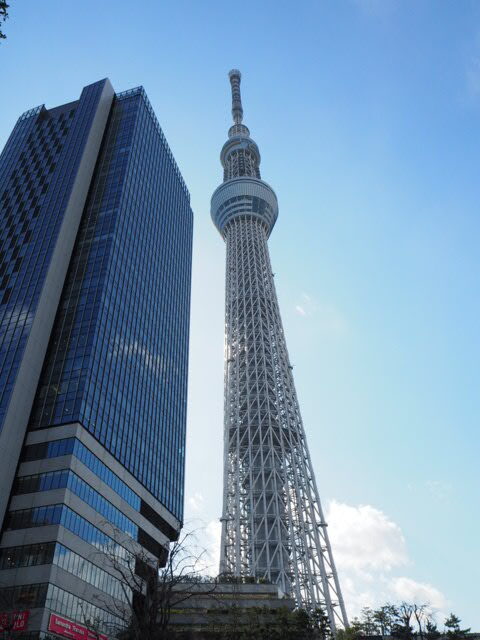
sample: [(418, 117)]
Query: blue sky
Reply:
[(367, 115)]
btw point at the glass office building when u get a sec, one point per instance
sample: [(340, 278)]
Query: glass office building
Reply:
[(95, 267)]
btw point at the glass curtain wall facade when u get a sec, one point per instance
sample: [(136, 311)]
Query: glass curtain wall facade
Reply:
[(37, 170), (118, 353), (101, 458)]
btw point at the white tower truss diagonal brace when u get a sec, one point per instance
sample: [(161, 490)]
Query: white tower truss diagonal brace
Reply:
[(273, 525)]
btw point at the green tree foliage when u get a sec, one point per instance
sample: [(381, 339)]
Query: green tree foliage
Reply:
[(384, 619), (404, 621), (353, 632), (369, 624), (452, 628), (431, 631), (3, 16), (263, 623), (282, 624)]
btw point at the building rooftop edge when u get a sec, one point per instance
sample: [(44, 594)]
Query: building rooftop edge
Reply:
[(122, 95)]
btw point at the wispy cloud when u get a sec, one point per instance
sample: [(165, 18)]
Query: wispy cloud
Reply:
[(473, 77), (205, 534), (437, 490), (213, 533), (196, 502), (471, 70), (440, 491), (376, 8), (205, 546), (327, 317), (331, 320)]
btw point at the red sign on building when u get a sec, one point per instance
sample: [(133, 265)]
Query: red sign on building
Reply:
[(63, 627), (14, 621)]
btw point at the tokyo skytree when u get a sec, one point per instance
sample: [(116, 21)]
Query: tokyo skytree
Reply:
[(273, 525)]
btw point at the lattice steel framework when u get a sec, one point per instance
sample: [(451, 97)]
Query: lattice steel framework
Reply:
[(272, 522)]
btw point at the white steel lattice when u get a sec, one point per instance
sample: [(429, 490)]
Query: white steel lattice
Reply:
[(272, 522)]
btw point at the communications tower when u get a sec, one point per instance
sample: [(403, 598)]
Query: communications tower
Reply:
[(273, 525)]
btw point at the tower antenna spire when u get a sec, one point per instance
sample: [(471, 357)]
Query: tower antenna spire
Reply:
[(237, 109)]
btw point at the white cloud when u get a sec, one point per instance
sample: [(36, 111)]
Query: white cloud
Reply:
[(365, 538), (196, 502), (419, 592), (214, 534), (208, 545), (368, 548), (300, 310)]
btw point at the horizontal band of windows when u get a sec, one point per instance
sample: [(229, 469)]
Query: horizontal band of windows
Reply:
[(245, 217), (28, 555), (80, 610), (253, 203), (62, 515), (24, 596), (72, 446), (66, 478), (63, 557), (85, 570)]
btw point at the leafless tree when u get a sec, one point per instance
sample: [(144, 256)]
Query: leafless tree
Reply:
[(150, 592), (422, 617), (405, 621)]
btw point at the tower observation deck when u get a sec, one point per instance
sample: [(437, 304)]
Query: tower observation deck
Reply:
[(273, 525)]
